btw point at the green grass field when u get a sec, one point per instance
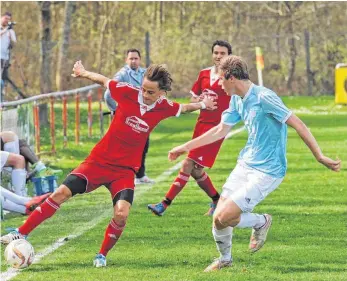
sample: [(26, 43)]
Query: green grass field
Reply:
[(307, 240)]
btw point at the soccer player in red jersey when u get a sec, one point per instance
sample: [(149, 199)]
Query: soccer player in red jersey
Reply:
[(114, 161), (205, 86)]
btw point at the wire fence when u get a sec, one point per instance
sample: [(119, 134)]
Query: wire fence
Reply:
[(23, 116)]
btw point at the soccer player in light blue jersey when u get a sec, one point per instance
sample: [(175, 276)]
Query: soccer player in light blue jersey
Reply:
[(261, 165)]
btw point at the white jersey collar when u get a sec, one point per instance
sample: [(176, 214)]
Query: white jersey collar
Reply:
[(213, 75), (144, 107)]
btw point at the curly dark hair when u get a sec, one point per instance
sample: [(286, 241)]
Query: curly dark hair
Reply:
[(159, 73)]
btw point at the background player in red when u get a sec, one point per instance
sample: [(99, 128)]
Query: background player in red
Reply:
[(114, 161), (205, 86)]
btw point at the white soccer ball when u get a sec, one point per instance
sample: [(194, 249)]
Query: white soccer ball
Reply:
[(19, 253)]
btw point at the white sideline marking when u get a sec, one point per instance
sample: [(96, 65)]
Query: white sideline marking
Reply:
[(12, 272)]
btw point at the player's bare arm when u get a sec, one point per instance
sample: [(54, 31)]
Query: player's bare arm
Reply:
[(80, 71), (305, 134), (214, 134), (206, 103), (194, 99)]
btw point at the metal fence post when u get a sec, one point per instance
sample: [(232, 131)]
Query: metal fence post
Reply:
[(52, 125), (101, 116), (90, 115), (65, 120), (77, 119), (37, 128)]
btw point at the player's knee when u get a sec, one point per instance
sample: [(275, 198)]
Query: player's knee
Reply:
[(187, 166), (121, 216), (15, 160), (224, 220), (62, 194), (75, 184), (22, 143), (197, 172), (8, 136), (220, 221)]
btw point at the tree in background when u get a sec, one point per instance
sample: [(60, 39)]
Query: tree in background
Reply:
[(180, 33)]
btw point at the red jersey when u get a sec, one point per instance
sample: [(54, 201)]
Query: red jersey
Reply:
[(207, 85), (124, 141)]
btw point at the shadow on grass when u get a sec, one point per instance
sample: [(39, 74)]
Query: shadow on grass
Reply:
[(292, 269)]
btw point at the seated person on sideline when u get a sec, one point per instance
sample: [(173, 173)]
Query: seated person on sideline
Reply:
[(20, 204), (18, 173), (10, 143)]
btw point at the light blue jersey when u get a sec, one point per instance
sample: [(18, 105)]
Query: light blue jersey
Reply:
[(264, 115)]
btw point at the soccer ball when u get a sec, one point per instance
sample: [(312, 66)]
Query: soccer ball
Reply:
[(19, 253)]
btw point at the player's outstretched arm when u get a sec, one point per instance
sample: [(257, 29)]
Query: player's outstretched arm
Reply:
[(216, 133), (206, 103), (300, 127), (80, 71)]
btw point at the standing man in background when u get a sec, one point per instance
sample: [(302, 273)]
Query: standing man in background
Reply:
[(8, 38), (133, 74)]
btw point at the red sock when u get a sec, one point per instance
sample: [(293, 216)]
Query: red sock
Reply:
[(206, 185), (112, 234), (177, 186), (40, 214)]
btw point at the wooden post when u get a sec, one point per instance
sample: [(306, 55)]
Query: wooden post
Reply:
[(308, 62), (147, 46), (101, 116), (65, 120), (77, 119), (52, 125), (90, 115), (37, 128)]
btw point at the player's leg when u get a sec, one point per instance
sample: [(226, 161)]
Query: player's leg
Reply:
[(26, 151), (141, 177), (222, 233), (70, 187), (246, 188), (121, 204), (259, 185), (38, 166), (176, 187), (18, 173), (205, 183), (10, 140), (227, 216), (11, 206)]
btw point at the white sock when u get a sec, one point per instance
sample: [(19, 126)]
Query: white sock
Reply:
[(12, 146), (251, 220), (39, 166), (223, 241), (14, 197), (11, 206), (18, 177)]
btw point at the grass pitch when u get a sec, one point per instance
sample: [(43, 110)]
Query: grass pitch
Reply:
[(307, 240)]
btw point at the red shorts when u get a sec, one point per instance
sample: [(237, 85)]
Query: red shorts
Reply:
[(114, 178), (205, 155)]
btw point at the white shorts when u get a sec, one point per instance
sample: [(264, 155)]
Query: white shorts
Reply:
[(247, 187), (3, 158)]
